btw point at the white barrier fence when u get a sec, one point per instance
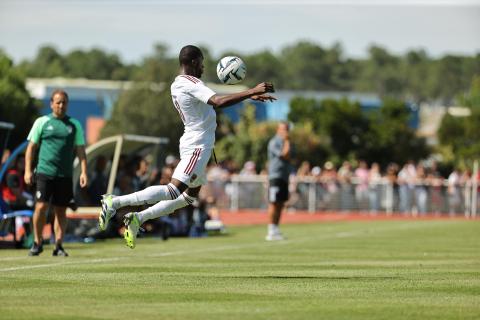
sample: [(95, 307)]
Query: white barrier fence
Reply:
[(313, 195)]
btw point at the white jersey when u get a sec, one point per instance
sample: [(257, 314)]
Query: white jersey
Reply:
[(190, 96)]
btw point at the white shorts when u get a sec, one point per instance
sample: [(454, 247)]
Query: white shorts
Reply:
[(192, 166)]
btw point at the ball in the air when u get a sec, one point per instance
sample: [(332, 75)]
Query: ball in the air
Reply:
[(231, 70)]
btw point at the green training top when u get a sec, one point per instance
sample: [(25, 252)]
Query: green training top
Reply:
[(57, 139)]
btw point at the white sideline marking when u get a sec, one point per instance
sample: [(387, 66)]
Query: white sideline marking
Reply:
[(342, 234)]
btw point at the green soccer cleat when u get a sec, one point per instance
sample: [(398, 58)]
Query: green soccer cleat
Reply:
[(132, 226), (107, 211)]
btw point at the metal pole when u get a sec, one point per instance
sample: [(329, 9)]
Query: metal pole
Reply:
[(312, 196), (474, 189), (234, 200), (116, 160), (467, 195), (388, 198)]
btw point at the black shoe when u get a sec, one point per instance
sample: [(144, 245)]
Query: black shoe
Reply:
[(35, 250), (60, 252)]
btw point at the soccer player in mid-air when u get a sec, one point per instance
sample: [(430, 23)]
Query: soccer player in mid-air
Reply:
[(196, 104)]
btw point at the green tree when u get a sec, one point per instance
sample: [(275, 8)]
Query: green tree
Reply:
[(146, 112), (48, 63), (16, 105), (381, 73), (158, 67), (94, 64), (340, 124), (345, 125), (249, 141), (310, 67), (460, 135), (390, 137), (264, 66), (418, 78), (348, 133), (450, 78)]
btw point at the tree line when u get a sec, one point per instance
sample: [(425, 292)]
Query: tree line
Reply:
[(413, 76)]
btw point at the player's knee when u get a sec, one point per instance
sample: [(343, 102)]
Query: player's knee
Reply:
[(179, 185), (193, 192), (41, 207)]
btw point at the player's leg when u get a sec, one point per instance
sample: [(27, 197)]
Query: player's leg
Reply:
[(167, 207), (62, 195), (190, 172), (43, 194), (150, 195), (274, 214), (60, 227), (39, 220), (277, 196), (134, 220)]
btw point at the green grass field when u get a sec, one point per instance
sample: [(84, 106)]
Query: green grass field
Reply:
[(338, 270)]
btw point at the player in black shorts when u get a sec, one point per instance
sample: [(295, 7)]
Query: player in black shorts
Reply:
[(280, 151)]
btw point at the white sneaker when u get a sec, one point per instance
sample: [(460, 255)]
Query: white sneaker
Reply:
[(274, 237)]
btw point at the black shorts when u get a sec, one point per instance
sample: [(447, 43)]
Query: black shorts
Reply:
[(57, 189), (277, 191)]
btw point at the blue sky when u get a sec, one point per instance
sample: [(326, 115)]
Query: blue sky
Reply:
[(130, 28)]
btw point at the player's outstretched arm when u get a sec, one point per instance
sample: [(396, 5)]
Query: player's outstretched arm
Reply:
[(257, 93)]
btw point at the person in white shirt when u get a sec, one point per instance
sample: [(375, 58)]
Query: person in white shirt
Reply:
[(196, 104)]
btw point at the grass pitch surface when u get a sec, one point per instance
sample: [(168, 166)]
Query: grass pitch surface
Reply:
[(341, 270)]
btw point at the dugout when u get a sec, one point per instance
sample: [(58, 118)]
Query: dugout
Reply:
[(115, 150)]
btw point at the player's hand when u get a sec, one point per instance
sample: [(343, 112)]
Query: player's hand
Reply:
[(263, 98), (83, 180), (28, 177), (263, 87)]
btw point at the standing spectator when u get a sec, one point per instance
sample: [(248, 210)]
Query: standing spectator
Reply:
[(57, 137), (421, 189), (328, 177), (374, 180), (435, 181), (300, 187), (361, 189), (219, 183), (280, 152), (249, 190), (249, 169), (392, 187), (345, 175), (406, 182), (454, 192)]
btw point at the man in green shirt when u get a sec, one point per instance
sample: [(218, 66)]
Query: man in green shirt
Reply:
[(57, 137)]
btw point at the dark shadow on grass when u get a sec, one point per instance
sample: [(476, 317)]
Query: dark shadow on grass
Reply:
[(314, 277)]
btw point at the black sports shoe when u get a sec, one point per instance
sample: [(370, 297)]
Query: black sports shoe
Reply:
[(60, 252), (35, 250)]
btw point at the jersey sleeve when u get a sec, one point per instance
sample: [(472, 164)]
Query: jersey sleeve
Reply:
[(36, 131), (79, 136), (201, 92)]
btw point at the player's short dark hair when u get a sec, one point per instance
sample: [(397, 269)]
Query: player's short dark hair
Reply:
[(189, 53), (59, 91)]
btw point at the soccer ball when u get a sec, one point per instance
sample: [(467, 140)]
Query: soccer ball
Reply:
[(231, 70)]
